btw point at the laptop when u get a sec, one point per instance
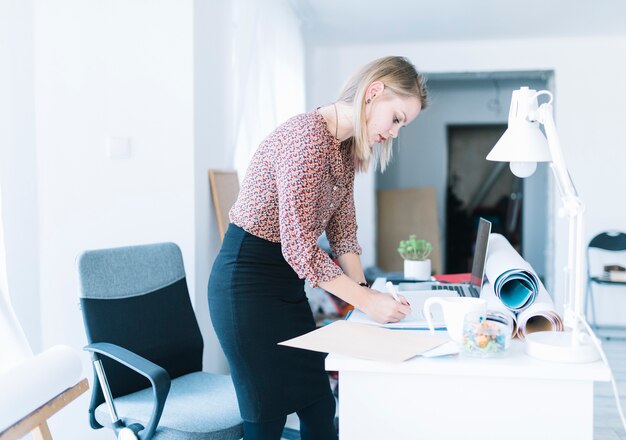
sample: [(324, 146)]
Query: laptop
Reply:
[(471, 289)]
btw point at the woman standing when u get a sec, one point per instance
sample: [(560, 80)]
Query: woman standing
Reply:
[(299, 184)]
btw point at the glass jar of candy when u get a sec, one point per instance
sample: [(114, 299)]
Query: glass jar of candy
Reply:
[(486, 335)]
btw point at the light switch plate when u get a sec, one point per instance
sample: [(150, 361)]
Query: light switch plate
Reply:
[(117, 147)]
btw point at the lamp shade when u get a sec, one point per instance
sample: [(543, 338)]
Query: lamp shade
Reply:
[(523, 141)]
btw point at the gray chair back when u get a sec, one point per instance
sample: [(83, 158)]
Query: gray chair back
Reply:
[(137, 297)]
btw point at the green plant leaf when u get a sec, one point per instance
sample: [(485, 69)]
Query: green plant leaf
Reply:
[(414, 249)]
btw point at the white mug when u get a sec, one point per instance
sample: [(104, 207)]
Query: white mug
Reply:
[(454, 311)]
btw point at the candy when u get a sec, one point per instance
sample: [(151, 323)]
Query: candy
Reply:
[(485, 337)]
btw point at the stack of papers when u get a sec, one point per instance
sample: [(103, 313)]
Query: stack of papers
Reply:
[(365, 341)]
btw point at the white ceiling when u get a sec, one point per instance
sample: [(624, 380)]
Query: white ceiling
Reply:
[(368, 21)]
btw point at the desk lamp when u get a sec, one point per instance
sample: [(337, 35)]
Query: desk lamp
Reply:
[(523, 145)]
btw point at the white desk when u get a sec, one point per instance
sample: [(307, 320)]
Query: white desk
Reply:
[(514, 397)]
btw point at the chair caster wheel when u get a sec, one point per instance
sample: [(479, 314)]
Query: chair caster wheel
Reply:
[(129, 432)]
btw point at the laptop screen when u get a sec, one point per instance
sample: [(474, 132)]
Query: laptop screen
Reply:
[(480, 253)]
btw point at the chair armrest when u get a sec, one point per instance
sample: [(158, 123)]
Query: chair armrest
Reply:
[(158, 377)]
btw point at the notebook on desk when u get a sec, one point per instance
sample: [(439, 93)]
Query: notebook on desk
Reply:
[(415, 320), (471, 289)]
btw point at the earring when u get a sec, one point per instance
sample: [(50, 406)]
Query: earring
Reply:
[(368, 101)]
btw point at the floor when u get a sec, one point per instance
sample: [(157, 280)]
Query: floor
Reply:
[(606, 419)]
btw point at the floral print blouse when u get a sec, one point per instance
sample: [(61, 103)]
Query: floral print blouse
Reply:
[(299, 184)]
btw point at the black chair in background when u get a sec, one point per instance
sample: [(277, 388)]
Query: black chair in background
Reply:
[(608, 243), (147, 348)]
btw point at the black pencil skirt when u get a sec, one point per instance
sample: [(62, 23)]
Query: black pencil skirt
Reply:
[(257, 300)]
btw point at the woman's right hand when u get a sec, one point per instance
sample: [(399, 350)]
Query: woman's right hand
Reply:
[(382, 308)]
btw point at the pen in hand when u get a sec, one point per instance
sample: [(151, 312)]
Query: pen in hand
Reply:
[(391, 289)]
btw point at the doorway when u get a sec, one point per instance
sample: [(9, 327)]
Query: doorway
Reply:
[(478, 188)]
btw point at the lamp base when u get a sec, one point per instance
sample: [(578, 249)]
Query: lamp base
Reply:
[(560, 347)]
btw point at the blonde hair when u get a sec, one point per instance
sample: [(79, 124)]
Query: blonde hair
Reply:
[(401, 78)]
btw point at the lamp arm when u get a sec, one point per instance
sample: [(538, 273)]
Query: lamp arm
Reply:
[(545, 116), (574, 208)]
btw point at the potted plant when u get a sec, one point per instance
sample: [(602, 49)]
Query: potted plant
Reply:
[(415, 254)]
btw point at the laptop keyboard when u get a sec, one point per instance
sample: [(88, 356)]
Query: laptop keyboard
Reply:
[(454, 287), (461, 290)]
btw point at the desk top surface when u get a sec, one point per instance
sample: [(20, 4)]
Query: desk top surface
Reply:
[(515, 364)]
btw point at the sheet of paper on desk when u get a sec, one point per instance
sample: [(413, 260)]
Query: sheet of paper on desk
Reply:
[(416, 319), (366, 342)]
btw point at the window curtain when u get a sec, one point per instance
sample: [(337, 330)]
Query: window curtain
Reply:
[(13, 344), (268, 65)]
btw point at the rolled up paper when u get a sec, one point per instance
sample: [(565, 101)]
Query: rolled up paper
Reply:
[(35, 381), (514, 281), (541, 315)]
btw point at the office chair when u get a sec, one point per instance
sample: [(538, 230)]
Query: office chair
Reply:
[(609, 242), (146, 349)]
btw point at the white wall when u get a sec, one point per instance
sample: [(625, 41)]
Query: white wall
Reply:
[(18, 169), (212, 137), (588, 89), (91, 84)]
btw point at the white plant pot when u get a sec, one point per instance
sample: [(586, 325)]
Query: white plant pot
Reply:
[(417, 270)]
